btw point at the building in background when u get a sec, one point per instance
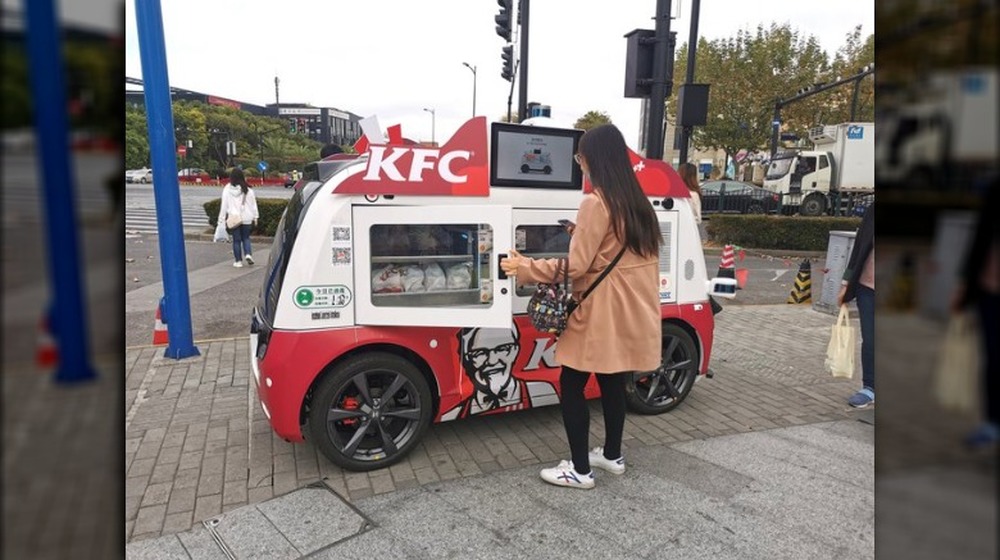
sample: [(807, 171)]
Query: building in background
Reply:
[(323, 124)]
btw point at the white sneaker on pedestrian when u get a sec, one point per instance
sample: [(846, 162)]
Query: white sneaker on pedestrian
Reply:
[(238, 264), (565, 475), (613, 466), (249, 259)]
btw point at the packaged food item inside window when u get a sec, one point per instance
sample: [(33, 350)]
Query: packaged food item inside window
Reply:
[(459, 276), (387, 280), (434, 279), (412, 278)]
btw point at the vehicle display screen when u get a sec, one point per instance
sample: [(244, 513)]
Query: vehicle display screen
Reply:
[(534, 156)]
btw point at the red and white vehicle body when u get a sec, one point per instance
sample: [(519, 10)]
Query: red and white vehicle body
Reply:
[(384, 308)]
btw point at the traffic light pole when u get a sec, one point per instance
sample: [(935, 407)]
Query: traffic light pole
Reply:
[(779, 103), (510, 96), (689, 78), (661, 84), (522, 91)]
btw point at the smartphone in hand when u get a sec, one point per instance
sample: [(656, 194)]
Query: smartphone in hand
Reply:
[(567, 224)]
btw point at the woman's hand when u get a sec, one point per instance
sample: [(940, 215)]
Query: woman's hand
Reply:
[(841, 294), (512, 262)]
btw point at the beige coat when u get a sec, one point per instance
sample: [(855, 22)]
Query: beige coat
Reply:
[(617, 328)]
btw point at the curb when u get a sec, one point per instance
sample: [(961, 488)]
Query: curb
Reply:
[(777, 253), (209, 236)]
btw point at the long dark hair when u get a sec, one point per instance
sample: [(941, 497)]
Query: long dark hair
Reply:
[(236, 177), (632, 216), (689, 173)]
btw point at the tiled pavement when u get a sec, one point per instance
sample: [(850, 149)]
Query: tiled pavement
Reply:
[(197, 443)]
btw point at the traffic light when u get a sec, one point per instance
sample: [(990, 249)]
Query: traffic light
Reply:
[(503, 19), (292, 126), (507, 55)]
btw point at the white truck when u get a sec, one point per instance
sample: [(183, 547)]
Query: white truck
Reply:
[(839, 169), (947, 137)]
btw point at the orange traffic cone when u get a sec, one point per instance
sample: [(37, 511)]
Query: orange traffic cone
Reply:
[(46, 351), (160, 335), (742, 275)]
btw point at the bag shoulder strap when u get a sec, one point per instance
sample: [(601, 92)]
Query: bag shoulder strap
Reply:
[(604, 273)]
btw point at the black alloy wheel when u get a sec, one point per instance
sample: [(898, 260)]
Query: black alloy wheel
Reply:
[(370, 411), (656, 392)]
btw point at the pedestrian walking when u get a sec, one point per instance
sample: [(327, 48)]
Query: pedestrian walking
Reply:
[(859, 283), (689, 174), (616, 330), (239, 213), (980, 287)]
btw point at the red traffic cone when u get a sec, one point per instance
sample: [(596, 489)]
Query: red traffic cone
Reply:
[(46, 351), (160, 335)]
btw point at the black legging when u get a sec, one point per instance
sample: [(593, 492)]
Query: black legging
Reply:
[(576, 414)]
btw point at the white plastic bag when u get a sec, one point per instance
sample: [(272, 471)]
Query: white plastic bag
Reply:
[(956, 381), (841, 350), (460, 276), (220, 233), (412, 278), (434, 279), (387, 280)]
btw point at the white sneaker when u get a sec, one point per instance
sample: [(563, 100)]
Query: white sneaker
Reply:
[(249, 259), (238, 264), (565, 475), (597, 459)]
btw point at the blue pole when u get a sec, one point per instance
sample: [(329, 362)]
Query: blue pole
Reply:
[(51, 127), (160, 119)]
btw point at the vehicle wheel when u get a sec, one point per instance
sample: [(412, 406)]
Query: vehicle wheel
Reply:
[(547, 170), (655, 392), (755, 208), (813, 205), (525, 168), (370, 411)]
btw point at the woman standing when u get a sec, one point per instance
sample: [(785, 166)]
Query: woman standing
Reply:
[(616, 330), (238, 200), (859, 282), (979, 287), (689, 174)]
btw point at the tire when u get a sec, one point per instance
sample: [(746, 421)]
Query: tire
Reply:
[(647, 392), (813, 205), (525, 168), (547, 170), (370, 433), (754, 208)]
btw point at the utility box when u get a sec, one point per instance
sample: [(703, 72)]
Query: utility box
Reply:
[(951, 243), (838, 252)]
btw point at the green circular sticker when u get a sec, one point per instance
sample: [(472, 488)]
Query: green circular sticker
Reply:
[(304, 297)]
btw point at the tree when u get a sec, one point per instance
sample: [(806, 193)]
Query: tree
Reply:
[(136, 140), (592, 119), (750, 71)]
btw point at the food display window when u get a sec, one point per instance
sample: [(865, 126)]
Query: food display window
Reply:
[(442, 260)]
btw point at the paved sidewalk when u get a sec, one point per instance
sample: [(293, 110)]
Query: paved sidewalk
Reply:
[(197, 443)]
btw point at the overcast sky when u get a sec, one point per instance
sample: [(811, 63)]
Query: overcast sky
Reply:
[(393, 58)]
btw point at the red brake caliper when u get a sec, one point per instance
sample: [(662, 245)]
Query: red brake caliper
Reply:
[(350, 403)]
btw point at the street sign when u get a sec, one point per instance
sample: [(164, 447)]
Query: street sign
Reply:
[(262, 165), (181, 150)]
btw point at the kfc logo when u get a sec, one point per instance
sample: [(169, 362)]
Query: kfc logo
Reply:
[(381, 165), (458, 168)]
